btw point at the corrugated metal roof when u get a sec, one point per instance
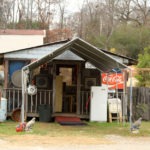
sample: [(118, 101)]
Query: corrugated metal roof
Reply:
[(88, 52), (35, 47), (131, 60), (123, 59)]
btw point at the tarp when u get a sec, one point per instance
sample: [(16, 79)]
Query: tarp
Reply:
[(83, 49)]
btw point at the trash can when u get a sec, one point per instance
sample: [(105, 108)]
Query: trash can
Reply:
[(45, 114)]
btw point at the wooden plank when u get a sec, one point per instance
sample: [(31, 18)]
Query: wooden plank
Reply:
[(36, 106), (143, 69), (9, 99), (54, 90), (31, 104), (59, 93)]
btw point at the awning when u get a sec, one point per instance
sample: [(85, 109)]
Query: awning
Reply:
[(83, 49), (86, 51)]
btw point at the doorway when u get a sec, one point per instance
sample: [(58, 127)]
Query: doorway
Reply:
[(67, 88)]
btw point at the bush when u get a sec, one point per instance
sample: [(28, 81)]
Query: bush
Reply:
[(140, 109)]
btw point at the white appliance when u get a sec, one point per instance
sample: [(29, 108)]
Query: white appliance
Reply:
[(98, 107), (114, 105), (3, 109)]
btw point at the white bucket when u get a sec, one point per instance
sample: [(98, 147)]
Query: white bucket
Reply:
[(3, 109)]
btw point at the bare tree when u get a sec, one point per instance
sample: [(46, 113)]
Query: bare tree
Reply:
[(46, 10), (5, 13), (62, 6), (142, 11), (1, 13), (110, 6), (100, 20), (125, 10)]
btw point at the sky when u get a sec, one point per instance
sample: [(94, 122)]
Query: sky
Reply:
[(74, 5), (71, 7)]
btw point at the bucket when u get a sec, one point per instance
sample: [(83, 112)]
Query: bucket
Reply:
[(3, 109), (16, 115)]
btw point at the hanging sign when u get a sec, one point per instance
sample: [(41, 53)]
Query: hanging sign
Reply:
[(113, 80)]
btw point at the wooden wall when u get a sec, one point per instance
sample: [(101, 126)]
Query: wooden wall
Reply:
[(141, 95)]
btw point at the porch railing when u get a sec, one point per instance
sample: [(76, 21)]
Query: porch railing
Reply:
[(14, 99), (85, 102)]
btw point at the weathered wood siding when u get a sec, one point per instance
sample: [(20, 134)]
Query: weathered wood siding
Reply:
[(141, 95)]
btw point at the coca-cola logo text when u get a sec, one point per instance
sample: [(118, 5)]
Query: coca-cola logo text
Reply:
[(111, 79)]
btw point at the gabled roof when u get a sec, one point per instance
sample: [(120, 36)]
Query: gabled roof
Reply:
[(125, 60), (88, 52), (34, 47)]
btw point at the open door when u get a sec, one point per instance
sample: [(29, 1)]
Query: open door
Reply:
[(66, 89)]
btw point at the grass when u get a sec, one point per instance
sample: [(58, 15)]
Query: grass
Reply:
[(92, 129)]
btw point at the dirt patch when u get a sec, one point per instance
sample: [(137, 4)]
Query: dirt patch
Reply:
[(109, 142), (46, 140)]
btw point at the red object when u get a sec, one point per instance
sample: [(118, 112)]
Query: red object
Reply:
[(67, 119), (113, 80), (21, 127), (87, 103)]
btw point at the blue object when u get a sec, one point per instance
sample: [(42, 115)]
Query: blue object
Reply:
[(14, 66)]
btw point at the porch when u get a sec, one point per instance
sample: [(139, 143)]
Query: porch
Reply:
[(45, 97)]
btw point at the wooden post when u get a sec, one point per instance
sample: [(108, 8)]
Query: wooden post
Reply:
[(23, 96), (78, 87), (54, 81), (24, 93), (131, 100), (6, 74)]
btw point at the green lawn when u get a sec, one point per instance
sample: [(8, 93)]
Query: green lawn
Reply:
[(91, 129)]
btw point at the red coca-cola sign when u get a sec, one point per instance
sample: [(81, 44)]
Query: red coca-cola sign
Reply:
[(113, 80)]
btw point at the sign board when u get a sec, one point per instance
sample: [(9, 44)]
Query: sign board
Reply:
[(113, 80)]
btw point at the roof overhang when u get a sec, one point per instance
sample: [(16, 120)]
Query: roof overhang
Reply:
[(83, 49)]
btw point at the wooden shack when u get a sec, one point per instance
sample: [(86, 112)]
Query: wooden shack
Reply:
[(63, 73)]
